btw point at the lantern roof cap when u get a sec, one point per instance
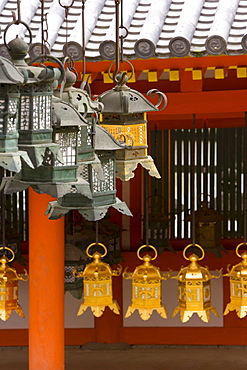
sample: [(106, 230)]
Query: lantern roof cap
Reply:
[(97, 267), (206, 214), (64, 114), (123, 100), (147, 271), (9, 74), (18, 49), (194, 271), (73, 253)]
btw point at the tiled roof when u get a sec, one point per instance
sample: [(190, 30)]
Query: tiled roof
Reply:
[(156, 28)]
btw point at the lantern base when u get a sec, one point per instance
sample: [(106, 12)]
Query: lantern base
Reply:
[(5, 313), (99, 310), (146, 313), (204, 315), (125, 169), (240, 310)]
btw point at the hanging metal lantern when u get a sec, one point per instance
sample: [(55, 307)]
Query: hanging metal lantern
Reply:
[(10, 81), (124, 116), (146, 287), (102, 186), (97, 277), (238, 286), (194, 289), (9, 287), (208, 228)]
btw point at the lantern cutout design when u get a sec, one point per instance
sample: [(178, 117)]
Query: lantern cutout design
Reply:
[(146, 287), (194, 289), (124, 116), (238, 286), (9, 287), (97, 284), (10, 81), (208, 228)]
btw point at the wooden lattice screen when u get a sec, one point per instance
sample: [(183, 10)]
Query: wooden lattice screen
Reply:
[(218, 172)]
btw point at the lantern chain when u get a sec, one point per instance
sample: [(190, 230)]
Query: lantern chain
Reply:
[(44, 28), (3, 226), (193, 143)]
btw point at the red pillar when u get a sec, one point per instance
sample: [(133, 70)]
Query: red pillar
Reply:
[(46, 286)]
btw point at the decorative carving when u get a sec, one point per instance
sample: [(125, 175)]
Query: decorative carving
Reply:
[(107, 49), (37, 49), (215, 45), (179, 47), (244, 42), (144, 48), (73, 49)]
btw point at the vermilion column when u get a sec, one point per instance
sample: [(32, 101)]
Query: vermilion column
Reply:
[(46, 286)]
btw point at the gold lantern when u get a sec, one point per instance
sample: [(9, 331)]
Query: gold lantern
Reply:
[(146, 287), (9, 287), (238, 286), (194, 289), (97, 278)]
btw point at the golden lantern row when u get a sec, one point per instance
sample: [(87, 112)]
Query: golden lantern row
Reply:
[(9, 287)]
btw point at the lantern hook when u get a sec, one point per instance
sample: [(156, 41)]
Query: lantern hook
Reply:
[(193, 245), (150, 246), (92, 244), (162, 99), (116, 72)]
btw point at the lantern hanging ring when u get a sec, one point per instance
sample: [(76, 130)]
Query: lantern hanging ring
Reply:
[(48, 57), (150, 246), (237, 248), (193, 245), (113, 76), (9, 249), (92, 244), (11, 24)]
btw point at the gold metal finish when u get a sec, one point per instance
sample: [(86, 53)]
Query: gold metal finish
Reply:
[(194, 289), (238, 286), (146, 287), (97, 278), (9, 287)]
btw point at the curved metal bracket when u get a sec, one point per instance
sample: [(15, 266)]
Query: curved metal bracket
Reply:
[(162, 99)]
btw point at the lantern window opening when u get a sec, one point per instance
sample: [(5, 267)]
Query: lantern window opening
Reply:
[(84, 172), (13, 116), (68, 147), (24, 114)]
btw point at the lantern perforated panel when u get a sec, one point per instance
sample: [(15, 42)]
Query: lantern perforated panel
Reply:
[(68, 145), (133, 134), (13, 116), (108, 184)]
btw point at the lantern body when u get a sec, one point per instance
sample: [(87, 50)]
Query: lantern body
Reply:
[(124, 116), (238, 288), (9, 290), (146, 290), (97, 284), (194, 292)]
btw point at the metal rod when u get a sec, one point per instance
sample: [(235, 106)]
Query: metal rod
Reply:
[(193, 142), (3, 226), (117, 3), (96, 232), (83, 41), (146, 207), (245, 179)]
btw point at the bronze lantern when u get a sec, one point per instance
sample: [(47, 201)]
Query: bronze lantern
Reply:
[(146, 287), (194, 289), (97, 283), (238, 286), (124, 116)]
